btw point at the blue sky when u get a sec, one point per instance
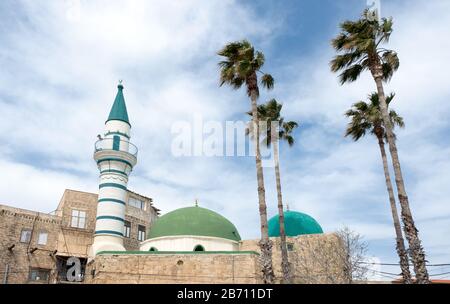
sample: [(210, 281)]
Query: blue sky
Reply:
[(61, 62)]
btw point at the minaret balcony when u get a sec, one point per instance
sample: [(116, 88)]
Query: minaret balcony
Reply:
[(115, 147)]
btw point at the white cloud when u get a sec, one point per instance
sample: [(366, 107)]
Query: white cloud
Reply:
[(59, 75), (62, 84), (343, 183), (27, 187)]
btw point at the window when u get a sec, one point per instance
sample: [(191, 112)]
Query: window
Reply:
[(78, 219), (141, 233), (116, 142), (127, 229), (25, 236), (42, 239), (38, 274), (199, 248), (290, 247), (153, 249), (136, 203)]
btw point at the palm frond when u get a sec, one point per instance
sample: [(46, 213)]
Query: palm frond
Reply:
[(389, 97), (270, 114), (342, 61), (290, 140), (367, 117), (339, 42), (267, 81), (259, 60), (351, 74), (236, 83), (396, 119), (391, 58), (358, 41)]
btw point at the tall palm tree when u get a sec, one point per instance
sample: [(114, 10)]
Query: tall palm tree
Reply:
[(359, 49), (366, 117), (277, 129), (240, 67)]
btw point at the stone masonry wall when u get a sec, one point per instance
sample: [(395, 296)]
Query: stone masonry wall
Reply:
[(65, 240), (314, 258), (195, 268), (21, 257)]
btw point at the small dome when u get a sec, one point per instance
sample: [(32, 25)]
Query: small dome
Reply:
[(194, 221), (295, 223)]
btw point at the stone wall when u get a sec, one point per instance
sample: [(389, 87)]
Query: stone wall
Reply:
[(138, 217), (182, 268), (63, 240), (22, 256), (314, 259), (76, 242)]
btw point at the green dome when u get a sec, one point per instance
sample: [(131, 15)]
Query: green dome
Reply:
[(295, 223), (194, 221)]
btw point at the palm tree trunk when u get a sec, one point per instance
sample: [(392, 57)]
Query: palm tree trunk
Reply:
[(415, 248), (265, 244), (285, 267), (400, 246)]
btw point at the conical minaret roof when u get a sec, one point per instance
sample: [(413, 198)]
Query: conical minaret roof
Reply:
[(119, 108)]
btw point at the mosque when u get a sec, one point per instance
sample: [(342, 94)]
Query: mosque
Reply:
[(189, 242), (119, 236), (185, 229)]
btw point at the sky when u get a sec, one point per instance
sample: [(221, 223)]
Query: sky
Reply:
[(61, 62)]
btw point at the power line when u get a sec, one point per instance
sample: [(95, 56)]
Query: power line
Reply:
[(438, 274), (397, 264), (384, 272)]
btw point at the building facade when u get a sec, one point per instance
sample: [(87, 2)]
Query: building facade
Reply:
[(35, 247), (313, 260)]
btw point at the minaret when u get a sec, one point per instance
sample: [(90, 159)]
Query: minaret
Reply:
[(115, 156)]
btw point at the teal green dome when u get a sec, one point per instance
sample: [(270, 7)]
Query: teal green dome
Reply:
[(295, 223), (194, 221)]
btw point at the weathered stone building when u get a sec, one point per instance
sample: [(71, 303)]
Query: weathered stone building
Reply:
[(313, 260), (205, 267), (34, 246)]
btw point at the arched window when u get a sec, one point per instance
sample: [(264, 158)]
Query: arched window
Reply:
[(199, 248), (153, 249)]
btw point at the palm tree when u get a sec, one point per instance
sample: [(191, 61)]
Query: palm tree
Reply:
[(358, 47), (366, 117), (240, 66), (277, 129)]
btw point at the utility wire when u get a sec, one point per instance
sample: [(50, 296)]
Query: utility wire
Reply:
[(394, 264), (438, 274)]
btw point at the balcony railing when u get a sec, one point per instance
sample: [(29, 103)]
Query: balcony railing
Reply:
[(116, 144)]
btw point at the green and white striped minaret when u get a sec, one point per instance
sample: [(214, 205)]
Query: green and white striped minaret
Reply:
[(115, 156)]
